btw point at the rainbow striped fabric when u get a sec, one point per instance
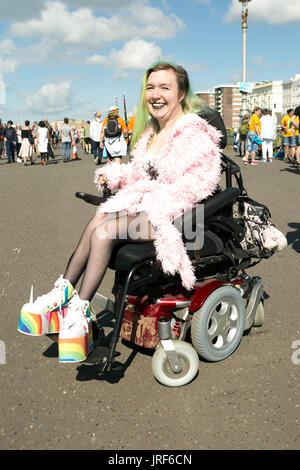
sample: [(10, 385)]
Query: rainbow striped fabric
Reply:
[(76, 349)]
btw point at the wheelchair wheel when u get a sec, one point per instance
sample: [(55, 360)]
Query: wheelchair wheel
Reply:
[(259, 315), (189, 362), (218, 326)]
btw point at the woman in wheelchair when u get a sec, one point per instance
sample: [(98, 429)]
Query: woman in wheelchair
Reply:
[(175, 164)]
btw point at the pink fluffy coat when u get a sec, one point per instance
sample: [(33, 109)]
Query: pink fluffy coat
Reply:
[(188, 171)]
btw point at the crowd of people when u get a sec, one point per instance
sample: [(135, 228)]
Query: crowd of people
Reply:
[(26, 144), (108, 139), (260, 131)]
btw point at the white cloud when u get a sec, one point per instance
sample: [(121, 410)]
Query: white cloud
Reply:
[(271, 11), (8, 65), (11, 10), (7, 47), (104, 4), (82, 27), (51, 98), (96, 59), (25, 10), (59, 32), (136, 54), (257, 60)]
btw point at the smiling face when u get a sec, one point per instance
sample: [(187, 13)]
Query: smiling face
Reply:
[(162, 96)]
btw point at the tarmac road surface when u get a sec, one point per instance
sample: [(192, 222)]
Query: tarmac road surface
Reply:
[(248, 401)]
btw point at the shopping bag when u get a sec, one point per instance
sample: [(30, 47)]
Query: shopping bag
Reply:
[(104, 154)]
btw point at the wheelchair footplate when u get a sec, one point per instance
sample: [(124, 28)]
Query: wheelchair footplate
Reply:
[(99, 357)]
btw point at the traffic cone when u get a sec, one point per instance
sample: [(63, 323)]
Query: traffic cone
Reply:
[(74, 153)]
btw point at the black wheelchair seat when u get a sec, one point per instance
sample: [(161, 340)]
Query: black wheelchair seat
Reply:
[(128, 254)]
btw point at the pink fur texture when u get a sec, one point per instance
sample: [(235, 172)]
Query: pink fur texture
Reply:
[(188, 172)]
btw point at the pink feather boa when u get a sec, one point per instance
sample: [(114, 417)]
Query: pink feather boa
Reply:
[(189, 169)]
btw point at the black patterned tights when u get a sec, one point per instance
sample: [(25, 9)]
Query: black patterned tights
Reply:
[(93, 252)]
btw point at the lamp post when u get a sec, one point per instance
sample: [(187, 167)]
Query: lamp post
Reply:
[(244, 28)]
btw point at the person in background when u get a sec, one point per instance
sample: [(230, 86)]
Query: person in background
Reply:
[(35, 129), (81, 136), (87, 139), (50, 152), (42, 139), (1, 139), (56, 136), (19, 139), (114, 134), (95, 132), (243, 132), (288, 138), (253, 136), (26, 150), (296, 122), (66, 138), (268, 134), (10, 140)]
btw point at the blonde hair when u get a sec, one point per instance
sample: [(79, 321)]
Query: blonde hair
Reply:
[(190, 103)]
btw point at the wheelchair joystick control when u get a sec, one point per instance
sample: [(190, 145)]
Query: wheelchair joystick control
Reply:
[(106, 191)]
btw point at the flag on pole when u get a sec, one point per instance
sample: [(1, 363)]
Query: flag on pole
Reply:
[(125, 110)]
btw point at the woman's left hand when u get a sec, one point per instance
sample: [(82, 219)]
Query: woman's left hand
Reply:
[(103, 179)]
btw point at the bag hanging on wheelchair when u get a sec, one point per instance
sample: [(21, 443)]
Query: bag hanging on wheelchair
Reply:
[(262, 239)]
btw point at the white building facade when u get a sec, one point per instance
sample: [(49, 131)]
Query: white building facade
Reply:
[(277, 96), (267, 95), (291, 93)]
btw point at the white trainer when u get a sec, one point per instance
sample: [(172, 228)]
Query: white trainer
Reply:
[(76, 335), (43, 316)]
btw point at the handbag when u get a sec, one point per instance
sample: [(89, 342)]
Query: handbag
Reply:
[(261, 239), (257, 140), (31, 139)]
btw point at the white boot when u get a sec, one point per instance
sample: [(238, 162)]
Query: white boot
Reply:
[(43, 316), (76, 336)]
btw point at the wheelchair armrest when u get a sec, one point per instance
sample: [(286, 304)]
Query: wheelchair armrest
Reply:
[(90, 198), (220, 200), (234, 167), (211, 206)]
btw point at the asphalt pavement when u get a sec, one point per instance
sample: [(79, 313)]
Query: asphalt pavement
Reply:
[(248, 401)]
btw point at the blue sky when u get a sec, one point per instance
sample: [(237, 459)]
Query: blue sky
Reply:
[(59, 58)]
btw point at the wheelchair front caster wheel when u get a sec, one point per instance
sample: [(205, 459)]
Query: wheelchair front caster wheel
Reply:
[(162, 370), (259, 315)]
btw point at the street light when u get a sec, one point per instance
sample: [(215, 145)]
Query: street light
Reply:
[(244, 28)]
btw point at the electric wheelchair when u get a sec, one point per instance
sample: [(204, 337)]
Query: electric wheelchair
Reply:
[(152, 310)]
